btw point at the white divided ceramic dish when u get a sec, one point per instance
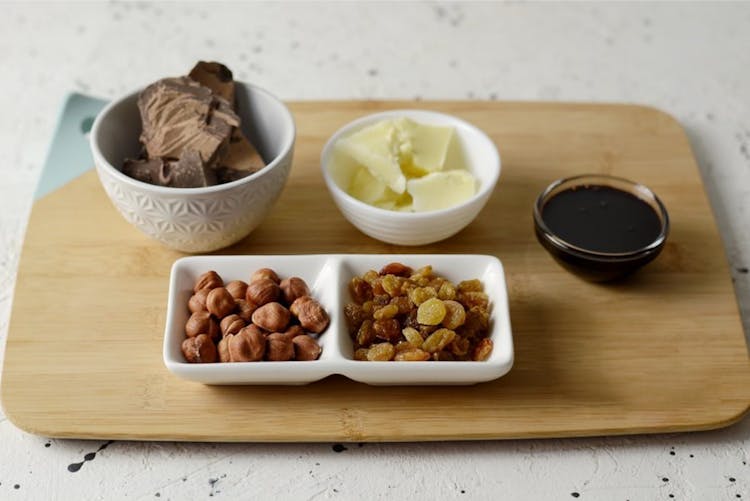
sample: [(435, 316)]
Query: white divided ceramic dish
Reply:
[(328, 276), (473, 148)]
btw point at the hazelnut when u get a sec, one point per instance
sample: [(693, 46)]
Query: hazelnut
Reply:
[(201, 322), (265, 273), (220, 302), (209, 280), (237, 289), (306, 348), (272, 317), (223, 348), (262, 291), (311, 315), (245, 309), (292, 288), (294, 331), (231, 324), (199, 349), (279, 347), (248, 345), (197, 301)]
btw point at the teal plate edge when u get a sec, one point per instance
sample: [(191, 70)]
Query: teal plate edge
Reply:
[(68, 155)]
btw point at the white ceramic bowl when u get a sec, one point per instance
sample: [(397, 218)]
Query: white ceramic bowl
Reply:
[(196, 219), (480, 156), (328, 276)]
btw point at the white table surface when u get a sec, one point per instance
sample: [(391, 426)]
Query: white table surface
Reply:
[(692, 60)]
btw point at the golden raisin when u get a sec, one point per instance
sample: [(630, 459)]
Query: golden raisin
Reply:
[(371, 277), (368, 307), (412, 355), (469, 299), (438, 340), (387, 311), (482, 350), (431, 312), (419, 295), (365, 334), (455, 315), (474, 285), (360, 354), (412, 336), (392, 285), (447, 291), (381, 352), (424, 271)]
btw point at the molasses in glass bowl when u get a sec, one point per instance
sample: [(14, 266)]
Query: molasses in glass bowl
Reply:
[(600, 227)]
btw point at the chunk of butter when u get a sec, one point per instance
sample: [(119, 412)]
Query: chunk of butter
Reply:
[(428, 144), (400, 165), (366, 187), (378, 148), (440, 190)]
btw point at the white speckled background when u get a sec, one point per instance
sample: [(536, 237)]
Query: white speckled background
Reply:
[(692, 60)]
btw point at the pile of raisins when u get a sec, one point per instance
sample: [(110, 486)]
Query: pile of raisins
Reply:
[(406, 315)]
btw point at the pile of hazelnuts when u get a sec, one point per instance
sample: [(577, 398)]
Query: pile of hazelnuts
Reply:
[(265, 319)]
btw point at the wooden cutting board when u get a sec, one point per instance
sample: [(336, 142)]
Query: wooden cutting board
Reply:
[(661, 352)]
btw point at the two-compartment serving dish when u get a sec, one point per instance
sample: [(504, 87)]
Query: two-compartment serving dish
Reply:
[(328, 276)]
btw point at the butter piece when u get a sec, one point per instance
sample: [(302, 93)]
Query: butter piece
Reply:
[(378, 149), (426, 144), (366, 187), (440, 190)]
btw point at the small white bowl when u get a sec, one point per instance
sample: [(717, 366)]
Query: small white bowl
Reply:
[(480, 156), (196, 219), (328, 276)]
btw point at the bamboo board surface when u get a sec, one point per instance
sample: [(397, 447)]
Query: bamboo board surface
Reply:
[(661, 352)]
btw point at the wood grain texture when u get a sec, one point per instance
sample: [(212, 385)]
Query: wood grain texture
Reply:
[(663, 351)]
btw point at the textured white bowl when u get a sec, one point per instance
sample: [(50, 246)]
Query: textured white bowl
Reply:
[(328, 276), (196, 219), (482, 160)]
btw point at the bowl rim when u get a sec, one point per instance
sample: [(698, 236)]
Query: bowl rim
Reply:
[(103, 164), (455, 122), (634, 188)]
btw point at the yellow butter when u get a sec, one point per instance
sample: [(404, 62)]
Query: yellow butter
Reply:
[(366, 187), (378, 149), (427, 144), (440, 190)]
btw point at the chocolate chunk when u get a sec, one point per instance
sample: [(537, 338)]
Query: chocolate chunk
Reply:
[(179, 114), (241, 154), (188, 172), (147, 171), (216, 77)]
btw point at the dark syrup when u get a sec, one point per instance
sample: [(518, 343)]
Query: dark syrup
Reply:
[(602, 219)]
